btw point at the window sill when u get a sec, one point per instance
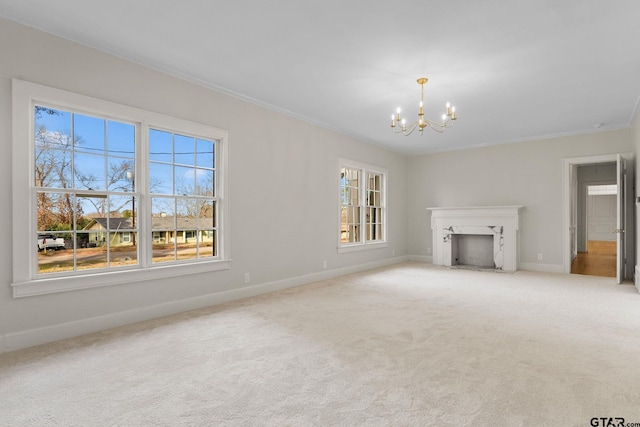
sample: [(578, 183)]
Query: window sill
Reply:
[(94, 280), (361, 247)]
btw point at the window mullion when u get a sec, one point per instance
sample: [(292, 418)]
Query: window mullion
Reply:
[(144, 234), (362, 202)]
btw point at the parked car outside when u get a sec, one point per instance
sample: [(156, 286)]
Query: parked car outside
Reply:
[(49, 241)]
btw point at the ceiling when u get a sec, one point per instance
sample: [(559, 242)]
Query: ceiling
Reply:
[(515, 69)]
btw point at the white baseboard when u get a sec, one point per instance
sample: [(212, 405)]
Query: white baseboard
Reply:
[(547, 268), (32, 337)]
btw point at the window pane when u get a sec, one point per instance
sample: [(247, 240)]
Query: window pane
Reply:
[(351, 195), (164, 252), (51, 252), (206, 215), (53, 147), (374, 181), (55, 211), (205, 153), (89, 134), (351, 176), (91, 213), (121, 175), (163, 212), (185, 180), (206, 246), (52, 128), (89, 172), (374, 224), (160, 146), (376, 215), (184, 150), (122, 211), (343, 224), (186, 219), (187, 248), (90, 251), (204, 182), (160, 178), (354, 215), (163, 229), (121, 139), (94, 257), (354, 234), (122, 247), (52, 167), (353, 222), (187, 212), (83, 241)]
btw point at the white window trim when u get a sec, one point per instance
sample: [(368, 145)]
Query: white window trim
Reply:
[(363, 245), (25, 283)]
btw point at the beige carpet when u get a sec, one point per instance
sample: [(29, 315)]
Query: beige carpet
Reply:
[(409, 345)]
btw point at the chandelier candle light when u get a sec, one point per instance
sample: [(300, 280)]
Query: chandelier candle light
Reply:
[(399, 125)]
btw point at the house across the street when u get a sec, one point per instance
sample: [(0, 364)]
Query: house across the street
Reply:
[(119, 231)]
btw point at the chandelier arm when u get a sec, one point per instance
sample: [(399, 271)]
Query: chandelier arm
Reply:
[(438, 127), (406, 130), (409, 130)]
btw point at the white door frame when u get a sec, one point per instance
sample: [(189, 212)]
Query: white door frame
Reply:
[(567, 163)]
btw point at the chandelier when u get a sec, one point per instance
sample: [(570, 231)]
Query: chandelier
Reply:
[(399, 125)]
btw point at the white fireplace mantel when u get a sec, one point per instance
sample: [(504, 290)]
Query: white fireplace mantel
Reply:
[(500, 221)]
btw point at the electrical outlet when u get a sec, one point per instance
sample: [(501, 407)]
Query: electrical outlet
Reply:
[(540, 256), (324, 264), (247, 277)]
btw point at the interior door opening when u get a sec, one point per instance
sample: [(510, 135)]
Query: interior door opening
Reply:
[(574, 219), (597, 222)]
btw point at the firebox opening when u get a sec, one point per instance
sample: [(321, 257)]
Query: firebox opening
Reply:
[(475, 250)]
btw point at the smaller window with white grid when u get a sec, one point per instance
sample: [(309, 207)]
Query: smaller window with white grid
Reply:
[(362, 191)]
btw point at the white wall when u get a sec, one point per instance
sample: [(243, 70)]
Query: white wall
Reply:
[(283, 192), (527, 173)]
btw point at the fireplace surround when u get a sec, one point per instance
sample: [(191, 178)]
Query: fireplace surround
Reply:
[(501, 222)]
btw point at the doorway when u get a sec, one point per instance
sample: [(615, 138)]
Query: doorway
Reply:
[(625, 251), (597, 221)]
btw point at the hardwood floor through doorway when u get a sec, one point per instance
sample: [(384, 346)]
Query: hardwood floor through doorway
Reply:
[(599, 260)]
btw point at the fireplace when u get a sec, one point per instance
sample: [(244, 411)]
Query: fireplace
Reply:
[(483, 237)]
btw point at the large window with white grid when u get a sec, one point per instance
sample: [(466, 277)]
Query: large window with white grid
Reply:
[(105, 193)]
